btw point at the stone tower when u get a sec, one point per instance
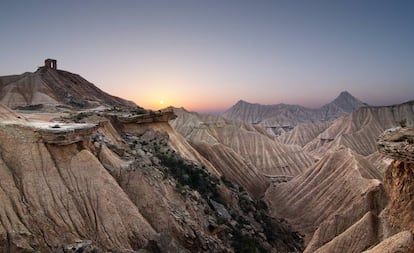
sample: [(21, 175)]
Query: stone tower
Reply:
[(51, 63)]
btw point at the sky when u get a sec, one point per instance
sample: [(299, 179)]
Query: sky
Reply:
[(207, 55)]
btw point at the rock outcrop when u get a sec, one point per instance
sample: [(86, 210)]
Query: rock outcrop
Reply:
[(53, 195), (398, 144)]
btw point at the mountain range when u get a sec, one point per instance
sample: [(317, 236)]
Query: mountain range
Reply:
[(280, 118)]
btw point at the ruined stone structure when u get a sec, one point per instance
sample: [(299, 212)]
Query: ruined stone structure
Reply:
[(51, 63), (397, 143)]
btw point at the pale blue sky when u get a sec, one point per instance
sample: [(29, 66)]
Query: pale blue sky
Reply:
[(206, 55)]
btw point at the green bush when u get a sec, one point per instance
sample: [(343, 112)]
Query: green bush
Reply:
[(246, 244), (192, 175), (403, 123), (78, 117)]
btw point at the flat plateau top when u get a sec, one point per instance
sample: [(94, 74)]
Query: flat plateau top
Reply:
[(50, 126)]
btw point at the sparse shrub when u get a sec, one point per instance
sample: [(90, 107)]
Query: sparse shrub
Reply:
[(246, 244), (138, 111), (227, 182), (192, 175), (245, 204), (78, 117), (268, 224), (403, 123)]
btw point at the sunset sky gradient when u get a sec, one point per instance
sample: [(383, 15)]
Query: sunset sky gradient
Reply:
[(207, 55)]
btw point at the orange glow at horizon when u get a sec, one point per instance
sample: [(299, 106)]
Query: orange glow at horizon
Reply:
[(161, 87), (158, 101)]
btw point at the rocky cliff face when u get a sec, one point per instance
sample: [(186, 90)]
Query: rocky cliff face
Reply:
[(399, 185), (53, 195), (397, 143)]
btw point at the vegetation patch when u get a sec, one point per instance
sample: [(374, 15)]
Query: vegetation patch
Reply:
[(80, 116), (246, 244), (248, 225), (196, 177)]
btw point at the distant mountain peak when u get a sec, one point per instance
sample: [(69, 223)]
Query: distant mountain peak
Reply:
[(241, 101), (346, 102), (286, 116), (345, 93)]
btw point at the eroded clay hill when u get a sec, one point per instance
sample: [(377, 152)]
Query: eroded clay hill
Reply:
[(242, 152), (303, 133), (338, 190), (57, 194), (345, 204), (50, 86), (359, 130)]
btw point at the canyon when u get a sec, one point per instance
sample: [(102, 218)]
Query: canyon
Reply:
[(84, 171)]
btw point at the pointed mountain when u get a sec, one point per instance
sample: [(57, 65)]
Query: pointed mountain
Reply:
[(344, 103), (54, 87), (347, 102)]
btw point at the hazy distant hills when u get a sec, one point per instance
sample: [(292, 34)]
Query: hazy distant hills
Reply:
[(49, 86), (280, 118)]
